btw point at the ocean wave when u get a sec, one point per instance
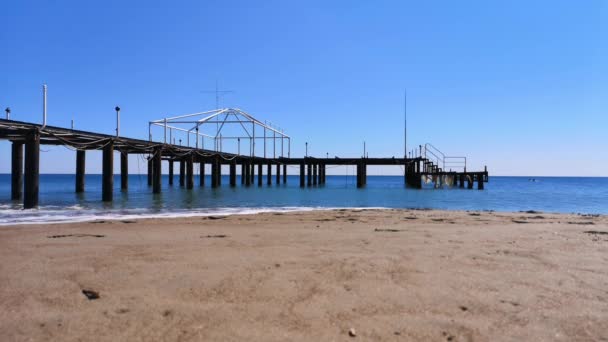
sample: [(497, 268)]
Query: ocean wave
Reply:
[(56, 215)]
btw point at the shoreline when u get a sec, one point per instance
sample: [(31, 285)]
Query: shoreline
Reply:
[(389, 274), (255, 211)]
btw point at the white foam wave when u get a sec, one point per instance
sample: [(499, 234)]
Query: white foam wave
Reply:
[(55, 215)]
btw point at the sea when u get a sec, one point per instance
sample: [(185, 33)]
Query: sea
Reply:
[(59, 203)]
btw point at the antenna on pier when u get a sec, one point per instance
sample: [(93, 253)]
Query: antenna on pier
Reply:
[(405, 123), (218, 94)]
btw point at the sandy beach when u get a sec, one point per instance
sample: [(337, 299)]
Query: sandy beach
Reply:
[(383, 275)]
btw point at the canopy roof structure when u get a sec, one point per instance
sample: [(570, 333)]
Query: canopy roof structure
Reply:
[(224, 127)]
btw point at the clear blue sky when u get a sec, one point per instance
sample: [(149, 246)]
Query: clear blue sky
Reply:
[(520, 86)]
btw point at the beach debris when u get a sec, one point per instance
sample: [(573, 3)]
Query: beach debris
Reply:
[(448, 337), (463, 308), (474, 214), (216, 217), (90, 294), (595, 232), (352, 332), (98, 221), (75, 235), (584, 223), (167, 313), (217, 236), (387, 230), (410, 218), (530, 212), (519, 221), (128, 221), (438, 219), (397, 333)]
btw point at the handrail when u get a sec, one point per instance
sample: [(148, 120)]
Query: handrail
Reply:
[(450, 161)]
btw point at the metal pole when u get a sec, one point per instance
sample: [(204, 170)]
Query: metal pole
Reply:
[(197, 137), (117, 109), (166, 131), (306, 155), (289, 148), (239, 148), (72, 125), (264, 142), (274, 144), (253, 142), (8, 113), (44, 105)]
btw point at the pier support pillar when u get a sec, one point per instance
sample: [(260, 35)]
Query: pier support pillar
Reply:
[(302, 176), (315, 169), (80, 166), (150, 170), (242, 172), (171, 172), (359, 175), (219, 171), (201, 173), (214, 183), (309, 174), (189, 172), (182, 172), (124, 170), (260, 174), (480, 181), (252, 173), (233, 173), (269, 174), (278, 174), (284, 173), (469, 181), (461, 185), (156, 164), (32, 170), (247, 174), (107, 179), (17, 171)]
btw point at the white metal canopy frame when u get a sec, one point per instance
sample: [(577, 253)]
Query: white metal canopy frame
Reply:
[(210, 124)]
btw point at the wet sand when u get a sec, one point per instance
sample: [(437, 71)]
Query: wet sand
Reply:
[(390, 275)]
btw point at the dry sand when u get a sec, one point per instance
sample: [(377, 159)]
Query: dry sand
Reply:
[(391, 275)]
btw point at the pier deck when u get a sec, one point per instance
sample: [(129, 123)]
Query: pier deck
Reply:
[(29, 136)]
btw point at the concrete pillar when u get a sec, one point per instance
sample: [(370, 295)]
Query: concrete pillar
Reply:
[(150, 171), (189, 172), (233, 173), (309, 174), (17, 171), (302, 176), (156, 164), (278, 174), (242, 172), (461, 181), (124, 170), (252, 172), (201, 174), (219, 171), (182, 172), (315, 168), (469, 181), (359, 174), (247, 173), (480, 181), (214, 170), (32, 170), (284, 173), (269, 174), (108, 173), (170, 171), (260, 176), (80, 170)]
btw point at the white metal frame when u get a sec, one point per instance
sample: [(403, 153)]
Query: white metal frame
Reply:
[(194, 124)]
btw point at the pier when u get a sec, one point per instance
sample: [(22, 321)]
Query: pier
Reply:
[(425, 164)]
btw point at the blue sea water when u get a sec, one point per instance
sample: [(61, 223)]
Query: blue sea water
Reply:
[(59, 203)]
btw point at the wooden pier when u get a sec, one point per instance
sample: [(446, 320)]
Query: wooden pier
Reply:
[(312, 171)]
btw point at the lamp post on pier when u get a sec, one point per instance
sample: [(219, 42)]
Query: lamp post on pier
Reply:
[(8, 113), (117, 109)]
